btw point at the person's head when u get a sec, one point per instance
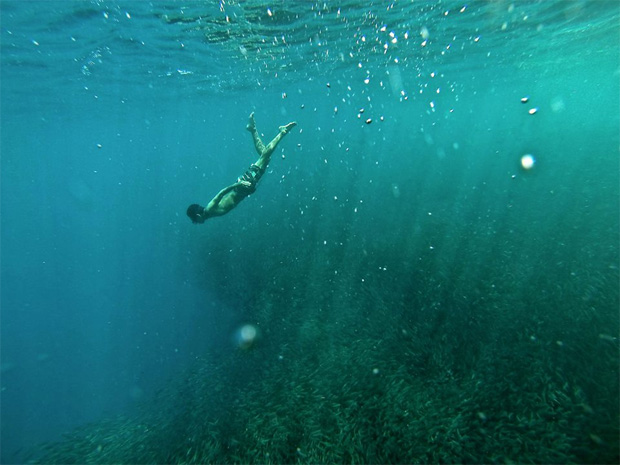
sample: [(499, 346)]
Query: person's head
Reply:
[(196, 213)]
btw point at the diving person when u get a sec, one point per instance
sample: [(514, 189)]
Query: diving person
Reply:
[(229, 197)]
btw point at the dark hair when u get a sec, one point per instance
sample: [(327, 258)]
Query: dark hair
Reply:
[(195, 211)]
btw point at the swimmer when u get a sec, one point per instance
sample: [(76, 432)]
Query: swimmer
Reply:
[(229, 197)]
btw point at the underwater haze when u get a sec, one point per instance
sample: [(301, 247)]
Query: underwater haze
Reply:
[(427, 272)]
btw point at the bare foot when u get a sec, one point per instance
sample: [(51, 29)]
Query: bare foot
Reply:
[(251, 123), (287, 128)]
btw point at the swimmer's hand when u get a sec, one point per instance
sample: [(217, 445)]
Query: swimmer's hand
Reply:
[(243, 183)]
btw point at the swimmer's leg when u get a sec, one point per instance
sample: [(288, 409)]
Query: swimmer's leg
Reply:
[(258, 143), (265, 156)]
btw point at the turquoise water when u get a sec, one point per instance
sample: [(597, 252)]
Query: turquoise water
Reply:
[(430, 263)]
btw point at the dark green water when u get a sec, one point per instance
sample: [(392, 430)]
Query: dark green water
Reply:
[(419, 296)]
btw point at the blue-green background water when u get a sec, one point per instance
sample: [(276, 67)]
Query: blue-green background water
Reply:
[(417, 241)]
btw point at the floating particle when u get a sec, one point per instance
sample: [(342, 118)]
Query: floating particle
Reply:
[(99, 146), (361, 110), (586, 408), (381, 118), (369, 120), (528, 161), (269, 12), (284, 95), (525, 99), (328, 85), (375, 371), (596, 439), (533, 111), (246, 336), (395, 190)]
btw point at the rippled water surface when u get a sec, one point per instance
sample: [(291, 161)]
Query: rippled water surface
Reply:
[(225, 46)]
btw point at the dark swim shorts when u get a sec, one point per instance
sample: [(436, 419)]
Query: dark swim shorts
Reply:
[(252, 176)]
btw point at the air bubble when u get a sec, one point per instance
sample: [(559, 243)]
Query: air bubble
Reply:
[(528, 161)]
